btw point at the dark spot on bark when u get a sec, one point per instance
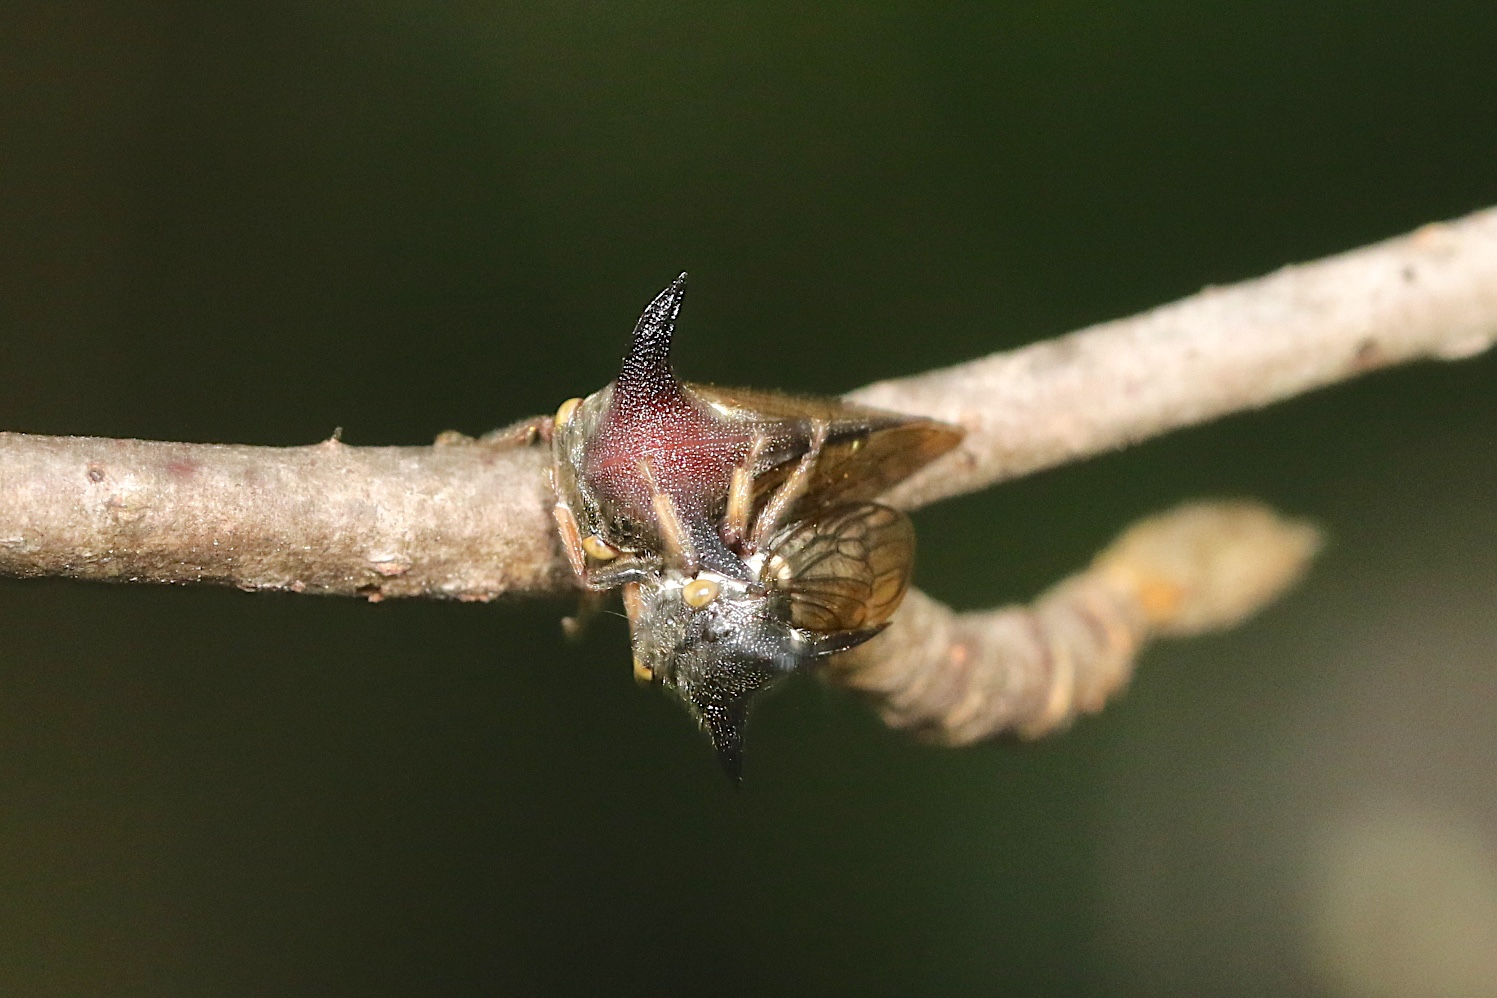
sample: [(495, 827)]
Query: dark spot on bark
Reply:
[(1368, 356), (1409, 273), (95, 473)]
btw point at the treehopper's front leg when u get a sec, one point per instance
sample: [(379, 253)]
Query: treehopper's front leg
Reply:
[(775, 511), (675, 539), (735, 526)]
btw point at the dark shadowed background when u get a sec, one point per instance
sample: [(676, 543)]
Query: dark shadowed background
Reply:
[(255, 222)]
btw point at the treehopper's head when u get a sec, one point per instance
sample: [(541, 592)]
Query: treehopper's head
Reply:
[(716, 643)]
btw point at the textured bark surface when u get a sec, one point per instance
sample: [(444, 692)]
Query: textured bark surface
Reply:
[(1429, 294), (956, 678), (465, 521)]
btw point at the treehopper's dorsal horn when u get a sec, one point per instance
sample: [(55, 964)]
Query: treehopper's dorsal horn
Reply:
[(646, 377)]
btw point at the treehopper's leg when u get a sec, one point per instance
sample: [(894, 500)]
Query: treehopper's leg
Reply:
[(642, 672), (790, 490), (571, 539), (735, 526), (591, 557), (589, 605), (674, 538)]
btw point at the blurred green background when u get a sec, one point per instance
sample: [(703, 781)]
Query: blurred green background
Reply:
[(254, 222)]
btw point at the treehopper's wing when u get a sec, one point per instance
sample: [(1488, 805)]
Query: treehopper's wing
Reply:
[(867, 450)]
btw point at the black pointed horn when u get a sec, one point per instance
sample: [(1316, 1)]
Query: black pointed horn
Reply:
[(820, 645), (725, 726), (647, 365)]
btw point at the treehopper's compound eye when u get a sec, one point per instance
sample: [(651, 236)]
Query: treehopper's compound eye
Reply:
[(598, 549), (699, 592)]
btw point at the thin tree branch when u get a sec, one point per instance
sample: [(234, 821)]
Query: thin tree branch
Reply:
[(464, 519), (469, 519), (1429, 294)]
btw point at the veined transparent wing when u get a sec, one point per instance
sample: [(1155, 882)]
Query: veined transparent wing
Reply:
[(846, 570), (866, 451)]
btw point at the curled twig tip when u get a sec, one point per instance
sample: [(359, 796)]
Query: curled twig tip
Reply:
[(1205, 566), (955, 678)]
